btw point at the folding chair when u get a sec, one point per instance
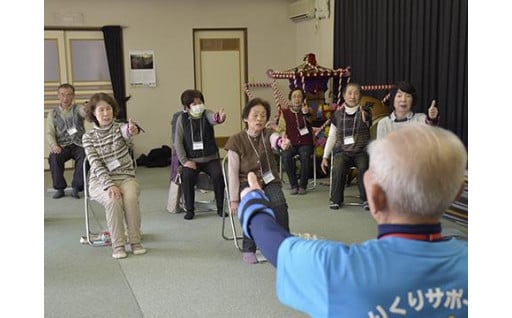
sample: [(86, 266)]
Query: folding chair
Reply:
[(203, 186), (235, 225), (101, 238)]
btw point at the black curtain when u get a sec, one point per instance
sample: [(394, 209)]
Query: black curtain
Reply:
[(113, 37), (424, 42)]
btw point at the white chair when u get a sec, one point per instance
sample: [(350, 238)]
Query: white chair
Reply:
[(235, 224)]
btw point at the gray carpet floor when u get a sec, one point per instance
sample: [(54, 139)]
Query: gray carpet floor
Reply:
[(190, 270)]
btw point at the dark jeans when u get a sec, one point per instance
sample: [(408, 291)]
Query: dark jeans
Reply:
[(305, 153), (57, 162), (279, 206), (340, 169), (189, 181)]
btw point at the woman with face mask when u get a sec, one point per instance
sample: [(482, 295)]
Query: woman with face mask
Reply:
[(195, 146)]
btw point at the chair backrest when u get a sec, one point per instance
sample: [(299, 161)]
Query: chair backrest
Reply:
[(379, 110)]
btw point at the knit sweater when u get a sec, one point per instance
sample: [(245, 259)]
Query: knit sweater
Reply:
[(108, 152)]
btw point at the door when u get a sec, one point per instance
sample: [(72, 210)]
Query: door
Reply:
[(220, 65)]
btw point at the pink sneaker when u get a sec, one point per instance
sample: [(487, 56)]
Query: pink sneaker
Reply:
[(249, 258)]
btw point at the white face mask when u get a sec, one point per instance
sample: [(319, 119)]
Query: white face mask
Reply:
[(196, 110)]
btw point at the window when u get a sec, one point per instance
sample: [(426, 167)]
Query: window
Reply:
[(78, 58)]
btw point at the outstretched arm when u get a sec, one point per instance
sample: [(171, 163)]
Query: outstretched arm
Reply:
[(258, 220)]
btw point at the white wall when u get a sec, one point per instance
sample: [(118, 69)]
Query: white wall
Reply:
[(165, 26)]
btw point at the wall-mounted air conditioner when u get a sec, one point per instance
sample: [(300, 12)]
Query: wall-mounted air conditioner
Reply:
[(301, 9)]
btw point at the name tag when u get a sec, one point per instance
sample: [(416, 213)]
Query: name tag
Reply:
[(268, 177), (111, 165), (303, 131), (197, 145), (72, 131), (349, 140)]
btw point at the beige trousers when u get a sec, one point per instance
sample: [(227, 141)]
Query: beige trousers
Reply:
[(120, 213)]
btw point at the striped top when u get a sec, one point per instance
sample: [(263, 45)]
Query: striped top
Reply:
[(108, 152)]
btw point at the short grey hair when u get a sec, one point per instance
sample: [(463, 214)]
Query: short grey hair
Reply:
[(421, 168)]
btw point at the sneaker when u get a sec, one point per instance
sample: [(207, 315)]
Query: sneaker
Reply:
[(59, 194), (365, 206), (221, 213), (189, 215), (301, 191), (119, 252), (249, 257), (74, 193), (138, 249), (293, 191)]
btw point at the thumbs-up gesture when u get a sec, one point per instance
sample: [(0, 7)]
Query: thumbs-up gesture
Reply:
[(132, 127), (305, 109), (432, 110), (285, 142), (222, 115)]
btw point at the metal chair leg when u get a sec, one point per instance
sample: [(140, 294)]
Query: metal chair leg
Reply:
[(93, 239), (234, 235), (314, 173)]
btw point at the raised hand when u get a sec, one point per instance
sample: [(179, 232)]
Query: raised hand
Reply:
[(305, 109), (285, 142), (132, 127), (432, 110), (222, 115)]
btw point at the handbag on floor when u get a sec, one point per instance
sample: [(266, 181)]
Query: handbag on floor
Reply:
[(173, 199)]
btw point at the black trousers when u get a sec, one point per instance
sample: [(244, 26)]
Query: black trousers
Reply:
[(189, 181), (57, 161), (340, 169)]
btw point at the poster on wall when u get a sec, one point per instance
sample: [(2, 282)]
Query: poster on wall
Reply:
[(142, 68)]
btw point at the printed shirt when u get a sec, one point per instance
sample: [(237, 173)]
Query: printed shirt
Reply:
[(339, 280)]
